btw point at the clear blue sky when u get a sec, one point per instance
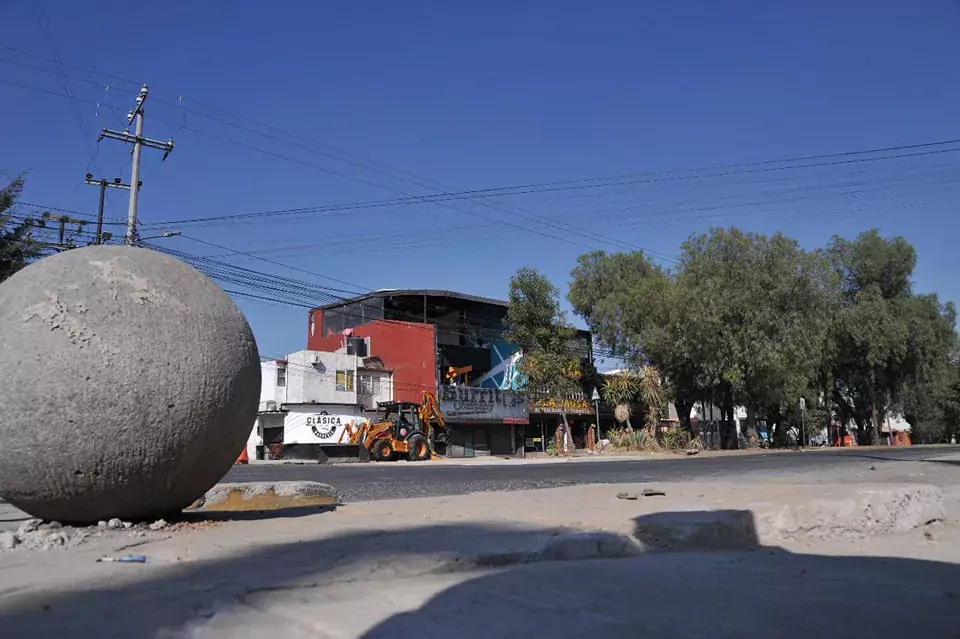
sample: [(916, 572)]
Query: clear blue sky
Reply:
[(491, 94)]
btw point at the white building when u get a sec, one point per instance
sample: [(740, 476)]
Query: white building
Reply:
[(310, 398)]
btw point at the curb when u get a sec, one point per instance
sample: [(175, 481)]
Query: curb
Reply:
[(872, 511), (259, 496)]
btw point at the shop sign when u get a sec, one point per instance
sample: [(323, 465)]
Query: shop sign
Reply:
[(572, 406), (469, 404), (317, 427)]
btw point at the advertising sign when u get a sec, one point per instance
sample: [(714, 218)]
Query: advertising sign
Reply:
[(318, 427), (471, 404), (571, 405)]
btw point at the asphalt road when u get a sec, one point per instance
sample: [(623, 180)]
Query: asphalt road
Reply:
[(373, 481)]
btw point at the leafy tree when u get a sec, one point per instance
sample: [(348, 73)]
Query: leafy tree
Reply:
[(740, 321), (536, 323), (944, 425), (890, 347), (17, 244), (636, 310), (764, 304)]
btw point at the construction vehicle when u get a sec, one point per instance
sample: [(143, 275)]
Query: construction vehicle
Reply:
[(402, 429)]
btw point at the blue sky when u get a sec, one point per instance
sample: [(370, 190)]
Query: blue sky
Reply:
[(477, 95)]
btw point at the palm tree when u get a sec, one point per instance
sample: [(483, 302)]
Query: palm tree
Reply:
[(651, 393), (622, 390)]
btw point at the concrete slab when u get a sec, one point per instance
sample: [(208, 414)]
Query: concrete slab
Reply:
[(265, 496)]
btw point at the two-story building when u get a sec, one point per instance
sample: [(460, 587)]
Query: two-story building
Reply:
[(420, 335), (308, 398)]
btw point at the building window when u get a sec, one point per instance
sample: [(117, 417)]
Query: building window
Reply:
[(281, 376), (370, 385), (345, 381), (313, 323)]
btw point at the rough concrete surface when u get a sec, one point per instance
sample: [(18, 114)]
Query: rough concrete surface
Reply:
[(266, 496), (532, 563), (131, 383)]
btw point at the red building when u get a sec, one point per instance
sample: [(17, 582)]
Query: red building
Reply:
[(415, 333), (406, 348), (419, 334)]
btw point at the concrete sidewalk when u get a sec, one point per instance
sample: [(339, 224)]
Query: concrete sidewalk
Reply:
[(516, 564)]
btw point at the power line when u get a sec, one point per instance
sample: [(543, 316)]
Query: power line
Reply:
[(507, 191), (574, 231), (78, 117), (569, 184), (370, 165)]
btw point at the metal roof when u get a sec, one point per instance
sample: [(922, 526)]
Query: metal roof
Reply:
[(388, 292)]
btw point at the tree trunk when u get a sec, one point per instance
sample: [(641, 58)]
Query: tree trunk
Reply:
[(781, 438), (683, 413), (566, 429), (751, 428), (862, 436), (728, 432), (875, 425)]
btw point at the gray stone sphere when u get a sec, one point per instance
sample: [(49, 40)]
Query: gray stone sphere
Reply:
[(130, 385)]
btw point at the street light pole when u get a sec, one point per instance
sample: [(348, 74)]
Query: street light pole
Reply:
[(596, 408)]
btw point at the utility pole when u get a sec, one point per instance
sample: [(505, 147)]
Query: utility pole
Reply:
[(803, 430), (138, 142), (103, 184), (64, 243)]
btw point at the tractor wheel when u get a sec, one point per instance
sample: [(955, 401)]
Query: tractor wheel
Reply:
[(382, 450), (419, 448)]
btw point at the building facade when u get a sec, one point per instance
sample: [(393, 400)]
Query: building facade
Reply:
[(310, 397), (422, 336)]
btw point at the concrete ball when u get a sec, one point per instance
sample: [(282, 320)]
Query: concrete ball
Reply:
[(130, 385)]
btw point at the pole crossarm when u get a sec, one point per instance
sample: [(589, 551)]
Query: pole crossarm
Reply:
[(138, 141), (129, 138)]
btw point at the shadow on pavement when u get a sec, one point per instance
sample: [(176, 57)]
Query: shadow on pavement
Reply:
[(731, 587), (252, 515), (752, 591)]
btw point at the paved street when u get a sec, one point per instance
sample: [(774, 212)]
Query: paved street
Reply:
[(373, 481)]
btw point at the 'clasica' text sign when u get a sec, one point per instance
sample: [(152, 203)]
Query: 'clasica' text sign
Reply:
[(468, 404), (318, 427)]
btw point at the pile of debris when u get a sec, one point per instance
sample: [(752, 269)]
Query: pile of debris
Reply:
[(34, 534)]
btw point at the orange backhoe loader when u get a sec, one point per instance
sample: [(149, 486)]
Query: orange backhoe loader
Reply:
[(403, 429)]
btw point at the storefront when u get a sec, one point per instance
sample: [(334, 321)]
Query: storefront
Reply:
[(545, 417), (483, 421)]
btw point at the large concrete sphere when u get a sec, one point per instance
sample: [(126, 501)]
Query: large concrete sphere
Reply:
[(130, 383)]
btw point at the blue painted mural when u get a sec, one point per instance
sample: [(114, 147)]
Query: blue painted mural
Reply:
[(504, 371)]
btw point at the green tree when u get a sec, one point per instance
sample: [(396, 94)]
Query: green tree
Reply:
[(536, 323), (890, 347), (636, 310), (17, 244), (764, 309)]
